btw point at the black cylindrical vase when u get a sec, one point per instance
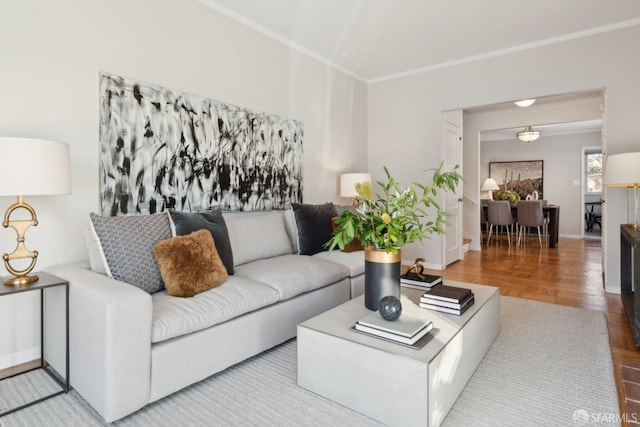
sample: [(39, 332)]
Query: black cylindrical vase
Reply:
[(381, 276)]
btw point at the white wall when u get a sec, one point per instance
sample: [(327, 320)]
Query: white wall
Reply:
[(50, 56), (562, 157), (404, 115)]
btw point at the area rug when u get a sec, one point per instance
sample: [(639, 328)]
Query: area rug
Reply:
[(550, 365)]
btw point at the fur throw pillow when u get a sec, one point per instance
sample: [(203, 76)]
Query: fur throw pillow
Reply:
[(190, 264), (352, 246)]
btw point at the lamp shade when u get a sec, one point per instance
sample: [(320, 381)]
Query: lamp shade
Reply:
[(348, 183), (489, 185), (622, 170), (34, 167)]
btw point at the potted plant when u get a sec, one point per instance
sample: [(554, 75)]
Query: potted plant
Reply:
[(511, 196), (387, 222)]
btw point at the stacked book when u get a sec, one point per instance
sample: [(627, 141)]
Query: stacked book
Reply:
[(405, 330), (448, 299), (415, 280)]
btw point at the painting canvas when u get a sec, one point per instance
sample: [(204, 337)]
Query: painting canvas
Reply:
[(523, 177), (161, 148)]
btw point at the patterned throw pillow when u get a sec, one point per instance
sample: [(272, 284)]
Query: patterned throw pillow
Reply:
[(127, 243), (190, 264)]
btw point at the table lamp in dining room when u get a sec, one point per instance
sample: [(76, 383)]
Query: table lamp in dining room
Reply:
[(29, 167), (623, 170), (488, 187)]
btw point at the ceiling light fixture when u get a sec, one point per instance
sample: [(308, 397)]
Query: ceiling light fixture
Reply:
[(528, 134), (525, 102)]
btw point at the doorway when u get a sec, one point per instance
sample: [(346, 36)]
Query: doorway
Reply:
[(592, 192), (567, 122)]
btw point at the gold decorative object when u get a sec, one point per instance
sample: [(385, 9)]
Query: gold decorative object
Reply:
[(21, 276)]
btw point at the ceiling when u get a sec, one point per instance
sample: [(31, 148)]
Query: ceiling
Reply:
[(375, 40), (546, 130)]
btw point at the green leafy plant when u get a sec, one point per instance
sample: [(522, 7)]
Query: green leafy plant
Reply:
[(397, 217), (511, 196)]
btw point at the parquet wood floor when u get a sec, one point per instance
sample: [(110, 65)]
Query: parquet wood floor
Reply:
[(570, 274)]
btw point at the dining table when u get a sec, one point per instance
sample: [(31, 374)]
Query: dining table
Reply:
[(552, 212)]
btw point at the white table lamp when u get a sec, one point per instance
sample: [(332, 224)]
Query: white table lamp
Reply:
[(623, 170), (348, 183), (489, 187), (30, 167)]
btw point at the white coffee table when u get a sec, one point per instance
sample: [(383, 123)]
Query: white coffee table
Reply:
[(392, 383)]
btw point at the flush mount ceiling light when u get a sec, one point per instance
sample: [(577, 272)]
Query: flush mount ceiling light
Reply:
[(525, 102), (528, 134)]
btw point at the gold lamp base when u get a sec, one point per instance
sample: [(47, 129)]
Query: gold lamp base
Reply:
[(20, 277), (21, 280)]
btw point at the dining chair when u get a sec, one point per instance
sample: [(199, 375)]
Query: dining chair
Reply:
[(499, 214), (484, 222), (530, 215)]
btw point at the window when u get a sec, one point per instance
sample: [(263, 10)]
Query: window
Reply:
[(593, 171)]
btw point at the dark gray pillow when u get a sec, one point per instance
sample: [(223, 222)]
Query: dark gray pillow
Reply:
[(188, 222), (127, 243), (314, 226)]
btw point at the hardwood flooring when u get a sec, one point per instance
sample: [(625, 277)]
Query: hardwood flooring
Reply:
[(571, 275)]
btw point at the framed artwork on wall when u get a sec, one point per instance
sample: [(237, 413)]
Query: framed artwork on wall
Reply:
[(164, 149), (524, 177)]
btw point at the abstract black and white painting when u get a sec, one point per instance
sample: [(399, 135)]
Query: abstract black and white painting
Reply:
[(160, 149)]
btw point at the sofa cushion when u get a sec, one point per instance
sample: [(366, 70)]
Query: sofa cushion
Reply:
[(314, 226), (173, 317), (127, 244), (354, 261), (188, 222), (190, 264), (291, 275), (257, 235)]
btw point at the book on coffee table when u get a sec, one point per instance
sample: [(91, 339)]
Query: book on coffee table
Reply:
[(456, 305), (405, 330), (448, 293), (419, 281), (447, 307), (393, 337)]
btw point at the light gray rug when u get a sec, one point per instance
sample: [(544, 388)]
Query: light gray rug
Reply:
[(551, 365)]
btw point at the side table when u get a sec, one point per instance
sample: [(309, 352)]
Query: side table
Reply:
[(45, 281), (630, 277)]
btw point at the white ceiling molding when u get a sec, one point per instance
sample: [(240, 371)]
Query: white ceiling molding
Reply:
[(514, 49), (272, 35), (375, 37)]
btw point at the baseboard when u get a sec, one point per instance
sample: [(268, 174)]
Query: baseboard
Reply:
[(21, 357), (570, 236)]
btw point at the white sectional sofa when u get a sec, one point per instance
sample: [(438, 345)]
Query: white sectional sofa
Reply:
[(129, 347)]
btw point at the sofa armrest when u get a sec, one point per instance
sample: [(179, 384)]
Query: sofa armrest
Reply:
[(109, 341)]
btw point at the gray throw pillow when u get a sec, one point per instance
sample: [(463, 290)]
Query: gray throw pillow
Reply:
[(213, 221), (314, 226), (127, 243)]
